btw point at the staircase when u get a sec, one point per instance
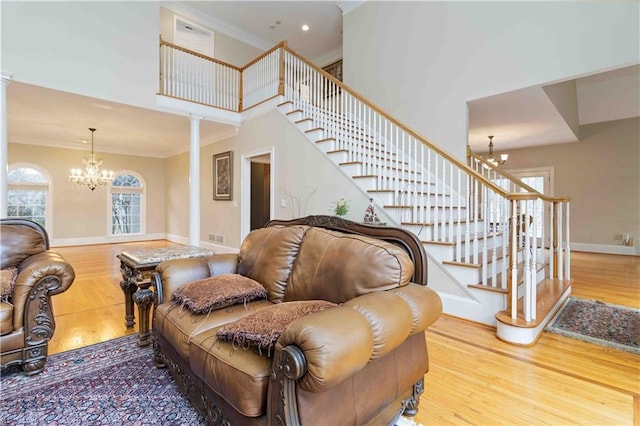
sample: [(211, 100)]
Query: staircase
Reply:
[(498, 250)]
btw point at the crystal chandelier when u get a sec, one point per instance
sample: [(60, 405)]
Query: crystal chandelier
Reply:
[(92, 177), (493, 159)]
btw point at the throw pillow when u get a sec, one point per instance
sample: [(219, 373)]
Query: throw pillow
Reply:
[(261, 329), (217, 292), (7, 282)]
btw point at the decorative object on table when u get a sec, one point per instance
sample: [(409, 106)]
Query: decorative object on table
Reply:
[(340, 208), (92, 177), (370, 216), (223, 176)]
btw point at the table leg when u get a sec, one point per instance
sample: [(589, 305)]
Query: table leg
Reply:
[(129, 287), (144, 298)]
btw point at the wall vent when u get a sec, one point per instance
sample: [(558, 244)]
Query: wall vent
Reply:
[(216, 238)]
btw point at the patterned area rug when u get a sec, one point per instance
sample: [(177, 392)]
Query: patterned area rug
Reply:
[(113, 383), (110, 383), (601, 323)]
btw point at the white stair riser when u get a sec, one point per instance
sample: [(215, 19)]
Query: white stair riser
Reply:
[(422, 229), (420, 214), (403, 198), (357, 169), (440, 252)]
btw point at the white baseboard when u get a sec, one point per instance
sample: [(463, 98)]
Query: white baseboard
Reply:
[(65, 242), (605, 249), (204, 244)]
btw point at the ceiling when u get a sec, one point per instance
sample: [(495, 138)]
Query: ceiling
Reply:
[(521, 118)]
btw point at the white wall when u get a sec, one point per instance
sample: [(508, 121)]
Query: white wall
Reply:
[(422, 61), (104, 49)]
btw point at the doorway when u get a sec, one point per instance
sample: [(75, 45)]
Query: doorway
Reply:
[(260, 191), (257, 190)]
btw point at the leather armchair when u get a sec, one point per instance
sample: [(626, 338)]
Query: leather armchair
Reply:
[(26, 315)]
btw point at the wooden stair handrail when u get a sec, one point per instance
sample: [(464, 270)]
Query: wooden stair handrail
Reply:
[(515, 180)]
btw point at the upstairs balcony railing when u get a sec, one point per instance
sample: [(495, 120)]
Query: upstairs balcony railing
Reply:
[(481, 213)]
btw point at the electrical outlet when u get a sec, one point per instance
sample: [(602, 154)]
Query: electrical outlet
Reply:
[(627, 240), (212, 237)]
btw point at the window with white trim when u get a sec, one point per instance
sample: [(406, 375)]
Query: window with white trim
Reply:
[(127, 204), (28, 194)]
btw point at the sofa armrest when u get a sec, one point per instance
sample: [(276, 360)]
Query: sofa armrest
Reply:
[(332, 351), (338, 342), (39, 277)]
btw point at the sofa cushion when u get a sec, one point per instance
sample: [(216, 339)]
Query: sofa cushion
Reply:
[(220, 291), (267, 256), (178, 325), (7, 282), (260, 330), (337, 267), (239, 377)]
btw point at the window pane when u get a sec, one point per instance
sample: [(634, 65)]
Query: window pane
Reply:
[(126, 213), (26, 175), (126, 180), (27, 204)]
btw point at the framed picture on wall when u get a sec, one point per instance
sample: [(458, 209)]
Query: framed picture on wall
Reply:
[(223, 176)]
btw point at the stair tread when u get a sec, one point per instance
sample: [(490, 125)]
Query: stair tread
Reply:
[(548, 293)]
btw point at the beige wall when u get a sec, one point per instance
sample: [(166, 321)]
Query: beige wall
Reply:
[(298, 168), (79, 213), (601, 175)]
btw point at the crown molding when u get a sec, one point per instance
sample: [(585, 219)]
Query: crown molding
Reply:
[(216, 24)]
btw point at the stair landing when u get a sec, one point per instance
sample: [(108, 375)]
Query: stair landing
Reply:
[(551, 295)]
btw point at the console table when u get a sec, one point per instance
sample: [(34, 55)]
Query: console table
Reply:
[(137, 266)]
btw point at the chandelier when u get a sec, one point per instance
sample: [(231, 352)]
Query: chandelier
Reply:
[(493, 159), (91, 177)]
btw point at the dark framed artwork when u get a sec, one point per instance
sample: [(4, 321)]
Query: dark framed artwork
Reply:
[(223, 176)]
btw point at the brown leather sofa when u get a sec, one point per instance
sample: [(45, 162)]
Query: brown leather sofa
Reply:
[(362, 361), (26, 315)]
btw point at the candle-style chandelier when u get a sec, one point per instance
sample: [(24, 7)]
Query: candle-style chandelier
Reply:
[(496, 161), (92, 177)]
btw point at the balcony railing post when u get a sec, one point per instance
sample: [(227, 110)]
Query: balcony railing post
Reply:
[(281, 69)]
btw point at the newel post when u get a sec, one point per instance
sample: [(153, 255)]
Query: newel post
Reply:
[(281, 70)]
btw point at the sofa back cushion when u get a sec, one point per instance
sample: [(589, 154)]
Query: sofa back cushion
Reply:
[(337, 267), (267, 256), (19, 242)]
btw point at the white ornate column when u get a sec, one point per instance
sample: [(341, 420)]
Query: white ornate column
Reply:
[(4, 143), (194, 182)]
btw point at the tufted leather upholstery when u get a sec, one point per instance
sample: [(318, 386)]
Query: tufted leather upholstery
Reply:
[(343, 365), (26, 319)]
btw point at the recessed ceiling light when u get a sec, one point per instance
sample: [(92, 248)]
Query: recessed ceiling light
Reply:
[(305, 27)]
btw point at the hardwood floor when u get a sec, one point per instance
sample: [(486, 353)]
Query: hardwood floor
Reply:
[(474, 378)]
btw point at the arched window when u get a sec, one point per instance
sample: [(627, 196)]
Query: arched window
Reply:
[(127, 204), (28, 194)]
